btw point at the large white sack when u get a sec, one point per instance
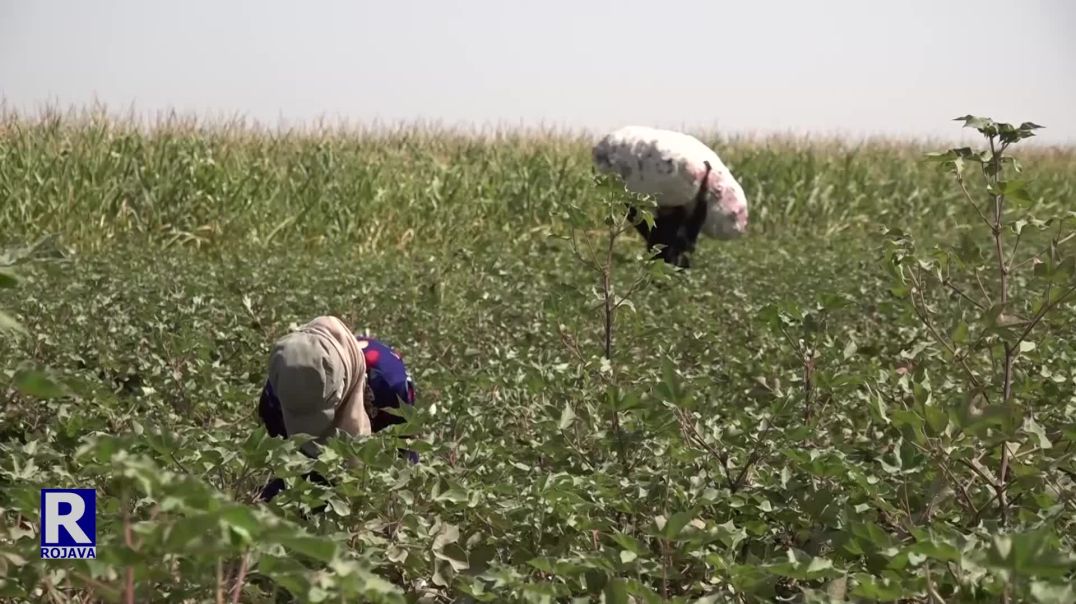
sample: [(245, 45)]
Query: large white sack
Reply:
[(670, 166)]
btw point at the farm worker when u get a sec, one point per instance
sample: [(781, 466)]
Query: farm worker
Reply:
[(677, 228), (325, 380)]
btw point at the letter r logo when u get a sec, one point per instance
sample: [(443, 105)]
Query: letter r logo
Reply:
[(68, 517)]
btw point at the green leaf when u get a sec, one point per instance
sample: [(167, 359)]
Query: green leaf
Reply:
[(818, 565), (1015, 190), (627, 542), (1030, 554), (937, 419), (595, 581), (1011, 134), (8, 323), (675, 524), (39, 384), (911, 420), (396, 553), (13, 558), (984, 125), (878, 408), (318, 548), (960, 333), (939, 157), (449, 533), (340, 507), (878, 588), (1033, 427), (454, 555), (317, 594), (616, 591), (242, 521), (567, 416), (8, 278), (454, 494), (1053, 593), (936, 550), (670, 386), (542, 564)]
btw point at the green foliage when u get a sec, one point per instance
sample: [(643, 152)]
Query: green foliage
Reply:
[(8, 279), (796, 417), (985, 411)]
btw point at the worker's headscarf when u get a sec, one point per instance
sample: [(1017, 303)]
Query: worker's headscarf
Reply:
[(318, 374)]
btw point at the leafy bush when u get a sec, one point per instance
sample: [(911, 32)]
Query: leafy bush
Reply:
[(816, 412)]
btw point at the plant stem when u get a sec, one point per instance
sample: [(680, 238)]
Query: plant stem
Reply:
[(1003, 286), (220, 581), (610, 311), (128, 539), (607, 296), (240, 578)]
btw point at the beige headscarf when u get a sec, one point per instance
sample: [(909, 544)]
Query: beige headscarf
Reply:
[(318, 374)]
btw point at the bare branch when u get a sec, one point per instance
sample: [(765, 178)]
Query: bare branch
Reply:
[(946, 282), (1057, 242), (689, 430), (1002, 496), (1012, 254), (976, 467), (1039, 316), (982, 288), (631, 290), (935, 597), (971, 201), (924, 317), (572, 239), (791, 342)]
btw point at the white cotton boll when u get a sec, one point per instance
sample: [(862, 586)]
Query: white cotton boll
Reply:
[(670, 166)]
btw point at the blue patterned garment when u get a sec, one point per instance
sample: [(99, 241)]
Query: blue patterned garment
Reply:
[(388, 380)]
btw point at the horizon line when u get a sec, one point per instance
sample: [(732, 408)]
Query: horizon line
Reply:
[(154, 120)]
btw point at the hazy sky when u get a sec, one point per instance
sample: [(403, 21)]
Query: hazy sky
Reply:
[(830, 66)]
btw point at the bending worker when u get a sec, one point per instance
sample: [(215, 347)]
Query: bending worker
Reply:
[(324, 380)]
